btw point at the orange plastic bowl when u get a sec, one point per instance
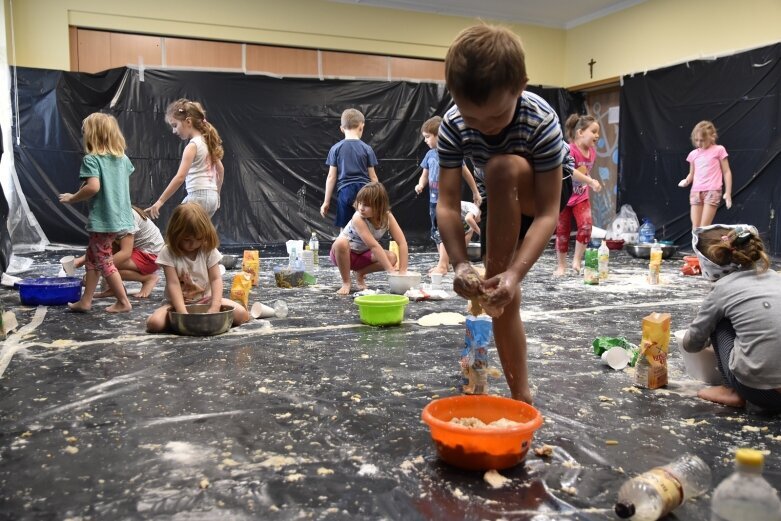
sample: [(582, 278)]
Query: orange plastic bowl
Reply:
[(481, 449), (692, 260)]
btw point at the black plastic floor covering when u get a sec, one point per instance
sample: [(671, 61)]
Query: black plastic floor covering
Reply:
[(318, 416)]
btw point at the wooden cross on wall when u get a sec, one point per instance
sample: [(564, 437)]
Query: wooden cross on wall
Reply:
[(591, 67)]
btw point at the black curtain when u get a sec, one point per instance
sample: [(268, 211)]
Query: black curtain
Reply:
[(740, 94), (276, 133), (5, 238)]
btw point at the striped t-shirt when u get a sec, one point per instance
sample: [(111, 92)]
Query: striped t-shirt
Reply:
[(534, 133)]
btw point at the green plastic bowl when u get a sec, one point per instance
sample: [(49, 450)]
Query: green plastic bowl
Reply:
[(381, 310)]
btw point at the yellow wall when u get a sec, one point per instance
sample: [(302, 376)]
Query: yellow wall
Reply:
[(658, 33), (41, 28)]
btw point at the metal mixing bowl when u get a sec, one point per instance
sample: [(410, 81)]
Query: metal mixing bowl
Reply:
[(197, 322), (229, 261), (473, 251), (642, 250)]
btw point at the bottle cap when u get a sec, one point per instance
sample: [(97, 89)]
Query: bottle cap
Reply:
[(749, 457), (624, 510)]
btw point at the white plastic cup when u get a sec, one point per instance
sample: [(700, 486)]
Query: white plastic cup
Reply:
[(616, 357), (436, 279), (260, 310), (280, 309), (9, 280), (701, 365), (67, 265)]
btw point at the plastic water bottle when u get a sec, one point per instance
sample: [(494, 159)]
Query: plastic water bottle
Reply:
[(746, 495), (291, 260), (646, 232), (280, 309), (314, 245), (659, 491), (604, 259), (591, 267)]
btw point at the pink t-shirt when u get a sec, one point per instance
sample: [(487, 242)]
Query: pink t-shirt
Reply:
[(579, 190), (707, 167)]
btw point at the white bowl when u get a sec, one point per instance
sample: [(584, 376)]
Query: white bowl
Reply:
[(399, 284), (702, 365)]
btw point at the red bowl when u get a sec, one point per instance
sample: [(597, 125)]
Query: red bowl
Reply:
[(614, 244), (481, 449)]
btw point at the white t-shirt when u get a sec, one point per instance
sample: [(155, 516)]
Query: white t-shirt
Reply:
[(202, 174), (146, 235), (193, 274)]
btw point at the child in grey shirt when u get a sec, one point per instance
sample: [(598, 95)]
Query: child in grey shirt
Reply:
[(740, 316)]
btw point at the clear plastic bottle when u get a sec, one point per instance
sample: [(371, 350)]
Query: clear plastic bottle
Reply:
[(280, 309), (646, 232), (604, 259), (656, 252), (314, 245), (746, 495), (291, 260), (659, 491)]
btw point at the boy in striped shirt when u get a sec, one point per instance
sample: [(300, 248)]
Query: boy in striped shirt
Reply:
[(515, 139)]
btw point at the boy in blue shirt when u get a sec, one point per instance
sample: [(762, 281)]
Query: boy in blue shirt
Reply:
[(430, 177), (351, 165), (515, 138)]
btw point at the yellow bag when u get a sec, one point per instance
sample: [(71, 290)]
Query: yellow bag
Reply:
[(241, 287), (251, 264)]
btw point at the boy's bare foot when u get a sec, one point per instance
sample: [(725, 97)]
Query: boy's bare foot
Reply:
[(723, 395), (104, 294), (524, 396), (360, 281), (344, 290), (147, 287), (560, 271), (576, 268), (79, 307), (118, 307)]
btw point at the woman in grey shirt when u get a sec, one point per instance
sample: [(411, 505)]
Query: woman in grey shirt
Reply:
[(740, 316)]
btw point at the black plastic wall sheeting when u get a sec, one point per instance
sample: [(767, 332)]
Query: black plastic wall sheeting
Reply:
[(276, 133), (5, 237), (741, 95)]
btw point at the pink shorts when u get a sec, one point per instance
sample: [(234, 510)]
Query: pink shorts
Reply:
[(145, 262), (358, 261), (709, 197)]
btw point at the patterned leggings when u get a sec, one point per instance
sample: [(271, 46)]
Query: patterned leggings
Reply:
[(723, 340), (99, 254), (582, 214)]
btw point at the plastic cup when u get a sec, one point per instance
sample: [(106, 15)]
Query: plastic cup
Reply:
[(701, 365), (260, 310), (616, 357), (9, 280), (280, 309), (436, 278), (67, 265)]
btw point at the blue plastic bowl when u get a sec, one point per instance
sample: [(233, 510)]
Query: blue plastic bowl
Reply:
[(49, 291)]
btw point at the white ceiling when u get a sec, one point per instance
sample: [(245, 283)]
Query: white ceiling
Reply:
[(563, 14)]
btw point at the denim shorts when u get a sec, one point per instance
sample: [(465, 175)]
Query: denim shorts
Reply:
[(209, 200)]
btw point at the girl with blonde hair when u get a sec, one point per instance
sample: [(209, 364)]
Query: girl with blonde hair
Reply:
[(105, 172), (201, 168)]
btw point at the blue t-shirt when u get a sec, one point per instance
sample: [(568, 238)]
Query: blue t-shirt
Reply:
[(352, 159), (431, 162)]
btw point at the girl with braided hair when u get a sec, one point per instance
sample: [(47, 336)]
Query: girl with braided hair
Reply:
[(201, 168)]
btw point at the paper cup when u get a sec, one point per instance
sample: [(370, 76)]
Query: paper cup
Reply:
[(616, 357), (436, 279), (67, 265), (9, 280), (701, 365), (260, 310)]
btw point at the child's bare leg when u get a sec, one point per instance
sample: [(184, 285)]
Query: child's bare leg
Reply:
[(341, 249), (122, 305), (723, 395), (580, 249), (510, 184), (148, 282), (444, 260), (240, 314), (561, 264), (90, 283), (360, 275), (158, 320), (708, 213), (696, 215)]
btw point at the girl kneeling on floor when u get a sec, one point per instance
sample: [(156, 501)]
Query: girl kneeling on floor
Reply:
[(357, 247), (739, 316), (190, 263)]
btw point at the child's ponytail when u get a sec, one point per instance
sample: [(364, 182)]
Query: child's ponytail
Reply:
[(742, 247)]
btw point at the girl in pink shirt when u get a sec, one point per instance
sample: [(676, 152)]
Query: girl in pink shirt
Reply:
[(707, 166), (583, 133)]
